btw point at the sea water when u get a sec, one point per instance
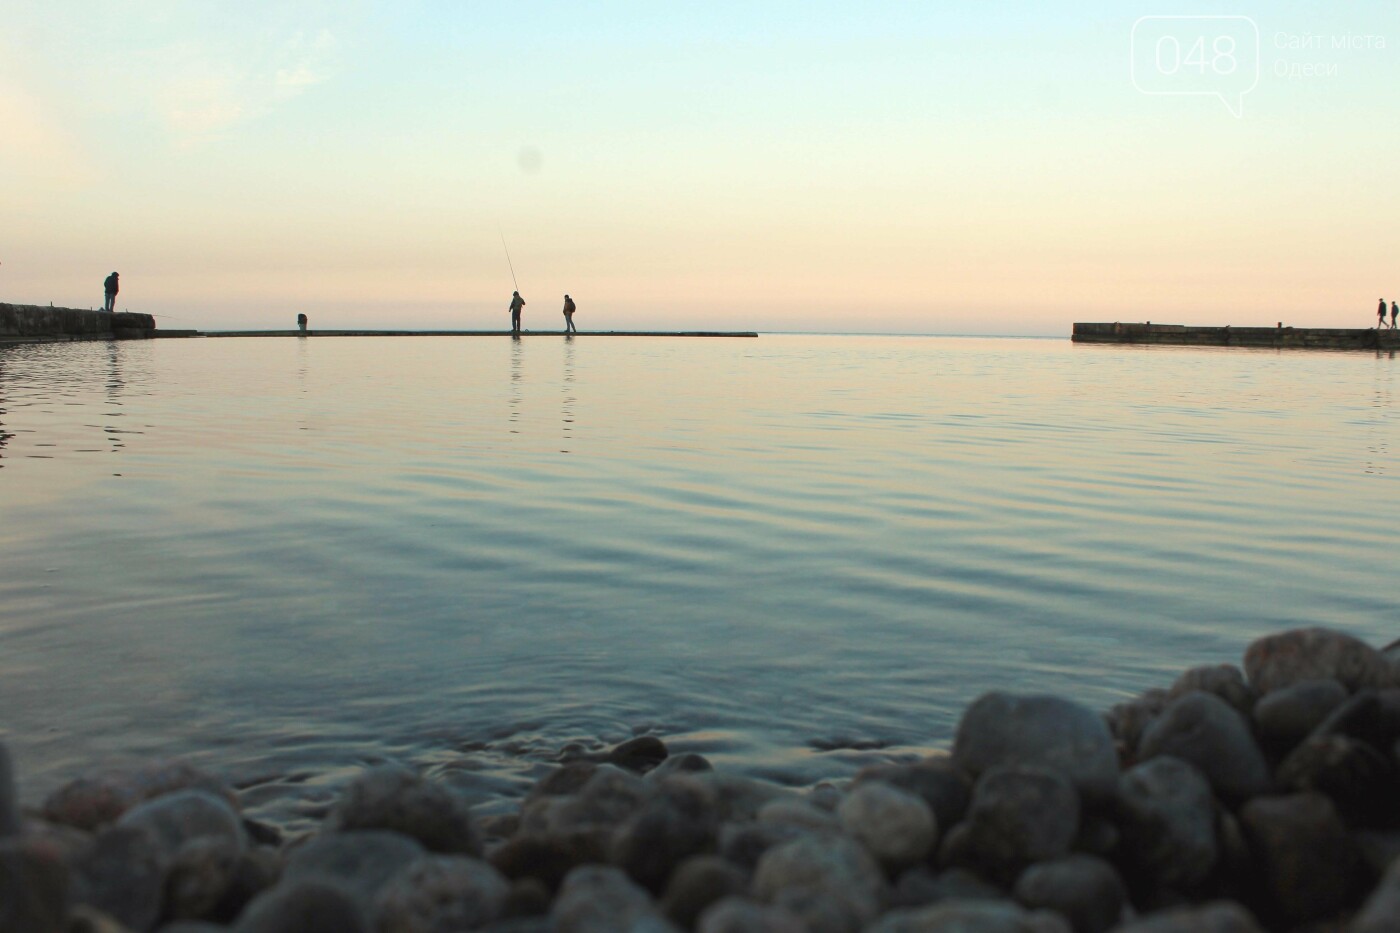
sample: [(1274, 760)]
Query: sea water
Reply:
[(284, 558)]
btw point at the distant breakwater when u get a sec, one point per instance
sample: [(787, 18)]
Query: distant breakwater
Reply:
[(1239, 799), (26, 323), (1294, 338)]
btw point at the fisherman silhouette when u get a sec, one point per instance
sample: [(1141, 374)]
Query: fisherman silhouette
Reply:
[(110, 287), (569, 310), (516, 303)]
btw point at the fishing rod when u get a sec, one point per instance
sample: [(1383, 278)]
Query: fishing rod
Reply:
[(509, 263)]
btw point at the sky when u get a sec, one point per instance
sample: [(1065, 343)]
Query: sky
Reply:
[(874, 167)]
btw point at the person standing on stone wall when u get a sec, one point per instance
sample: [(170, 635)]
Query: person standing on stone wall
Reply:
[(110, 287)]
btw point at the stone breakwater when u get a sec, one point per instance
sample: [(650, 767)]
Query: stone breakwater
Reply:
[(1264, 796)]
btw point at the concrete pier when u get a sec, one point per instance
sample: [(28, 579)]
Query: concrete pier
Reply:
[(314, 332), (33, 323), (1185, 335)]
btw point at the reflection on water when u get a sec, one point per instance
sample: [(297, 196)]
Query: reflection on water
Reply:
[(793, 554)]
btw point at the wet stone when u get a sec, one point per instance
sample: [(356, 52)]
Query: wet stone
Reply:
[(799, 814), (1166, 815), (1311, 866), (1127, 721), (737, 915), (1381, 911), (921, 886), (1287, 716), (1223, 680), (1206, 732), (679, 822), (607, 798), (698, 883), (359, 862), (601, 899), (1372, 716), (641, 754), (1018, 816), (441, 894), (184, 816), (93, 802), (34, 887), (1359, 779), (830, 865), (402, 801), (823, 911), (744, 843), (686, 763), (1287, 658), (548, 857), (124, 876), (527, 897), (84, 919), (304, 907), (1083, 889), (940, 784), (200, 877), (970, 917), (895, 826), (1003, 729)]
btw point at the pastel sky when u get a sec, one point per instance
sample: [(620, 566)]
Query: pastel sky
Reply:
[(911, 167)]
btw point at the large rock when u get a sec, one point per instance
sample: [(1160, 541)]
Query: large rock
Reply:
[(92, 802), (124, 876), (441, 894), (1002, 730), (812, 869), (33, 887), (1018, 816), (1286, 717), (641, 754), (304, 907), (601, 899), (697, 884), (895, 826), (681, 821), (402, 801), (1215, 917), (1166, 815), (1083, 889), (184, 816), (359, 862), (1310, 865), (736, 915), (970, 917), (1206, 732), (945, 789), (1277, 661)]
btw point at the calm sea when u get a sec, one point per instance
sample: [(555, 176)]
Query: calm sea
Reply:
[(282, 558)]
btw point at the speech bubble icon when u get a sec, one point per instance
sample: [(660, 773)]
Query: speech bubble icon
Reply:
[(1214, 56)]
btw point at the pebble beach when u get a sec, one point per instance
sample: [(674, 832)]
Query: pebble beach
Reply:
[(1257, 796)]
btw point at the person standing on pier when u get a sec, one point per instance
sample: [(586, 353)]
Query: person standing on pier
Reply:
[(1380, 315), (1394, 313), (569, 310), (110, 288), (516, 303)]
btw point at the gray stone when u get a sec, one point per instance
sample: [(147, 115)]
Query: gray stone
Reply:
[(798, 813), (441, 894), (1277, 661), (33, 887), (1127, 721), (679, 822), (1166, 815), (1002, 729), (822, 910), (1311, 866), (1223, 680), (641, 754), (970, 917), (609, 796), (359, 862), (83, 919), (818, 864), (1286, 717), (9, 800), (921, 887), (601, 899), (739, 798), (696, 884), (548, 857), (1381, 912), (744, 843), (1372, 716), (93, 802), (1209, 734), (184, 816), (1018, 816), (1360, 779), (304, 907), (1215, 917), (1083, 889), (737, 915), (402, 801), (124, 876), (200, 877), (520, 925), (527, 897), (687, 763), (937, 780), (895, 826)]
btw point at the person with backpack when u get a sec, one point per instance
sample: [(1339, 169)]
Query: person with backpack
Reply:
[(110, 288), (569, 310)]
